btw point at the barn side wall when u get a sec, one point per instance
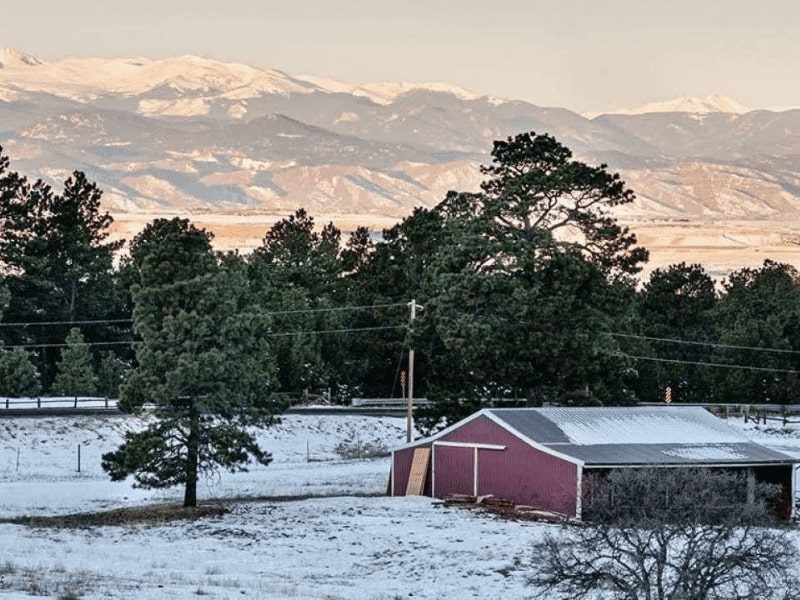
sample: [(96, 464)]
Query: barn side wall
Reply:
[(401, 469), (519, 473), (457, 475)]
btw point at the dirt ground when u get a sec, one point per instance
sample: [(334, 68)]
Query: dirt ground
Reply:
[(722, 246)]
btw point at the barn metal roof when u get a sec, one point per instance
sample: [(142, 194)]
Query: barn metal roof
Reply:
[(635, 436)]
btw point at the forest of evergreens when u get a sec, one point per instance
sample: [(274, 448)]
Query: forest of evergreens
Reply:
[(531, 291)]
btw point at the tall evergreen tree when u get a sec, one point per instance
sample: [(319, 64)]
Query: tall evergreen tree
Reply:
[(75, 374), (18, 375), (515, 306), (55, 251), (393, 271), (299, 269), (538, 196), (676, 302), (759, 308), (536, 336), (111, 372), (204, 363)]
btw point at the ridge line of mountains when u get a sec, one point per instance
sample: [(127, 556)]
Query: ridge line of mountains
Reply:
[(191, 134)]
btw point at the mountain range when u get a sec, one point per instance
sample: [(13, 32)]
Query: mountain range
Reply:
[(196, 135)]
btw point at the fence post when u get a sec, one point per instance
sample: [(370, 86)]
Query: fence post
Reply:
[(38, 403), (6, 402), (79, 458), (106, 401), (76, 403)]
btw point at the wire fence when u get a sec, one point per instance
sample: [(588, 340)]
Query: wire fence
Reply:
[(787, 414)]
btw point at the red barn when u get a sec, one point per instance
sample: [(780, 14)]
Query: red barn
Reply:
[(540, 456)]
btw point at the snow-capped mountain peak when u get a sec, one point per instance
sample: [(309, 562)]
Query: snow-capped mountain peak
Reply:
[(385, 92), (13, 58), (687, 104), (85, 79)]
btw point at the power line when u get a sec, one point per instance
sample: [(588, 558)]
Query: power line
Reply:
[(697, 343), (333, 309), (50, 323), (708, 364), (64, 345), (268, 313), (348, 330), (269, 335)]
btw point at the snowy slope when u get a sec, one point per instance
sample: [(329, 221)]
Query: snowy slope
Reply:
[(11, 58), (686, 104)]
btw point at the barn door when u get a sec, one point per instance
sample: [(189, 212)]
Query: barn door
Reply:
[(453, 470)]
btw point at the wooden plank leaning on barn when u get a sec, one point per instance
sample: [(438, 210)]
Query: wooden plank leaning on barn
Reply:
[(419, 470)]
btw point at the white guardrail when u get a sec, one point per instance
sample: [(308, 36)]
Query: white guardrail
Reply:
[(46, 402), (387, 402)]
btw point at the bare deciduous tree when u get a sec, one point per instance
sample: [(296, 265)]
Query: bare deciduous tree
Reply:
[(671, 534)]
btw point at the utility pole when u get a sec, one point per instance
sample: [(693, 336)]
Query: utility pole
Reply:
[(410, 401)]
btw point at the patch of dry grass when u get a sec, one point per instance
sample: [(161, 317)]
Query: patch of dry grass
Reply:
[(147, 515)]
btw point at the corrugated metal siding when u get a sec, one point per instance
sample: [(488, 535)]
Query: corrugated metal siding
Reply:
[(453, 470), (519, 473)]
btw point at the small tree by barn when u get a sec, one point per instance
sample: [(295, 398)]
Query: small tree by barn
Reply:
[(671, 534), (203, 363)]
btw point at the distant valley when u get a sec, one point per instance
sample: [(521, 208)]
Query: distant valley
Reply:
[(238, 146)]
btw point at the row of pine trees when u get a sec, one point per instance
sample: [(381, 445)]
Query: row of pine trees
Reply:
[(78, 372)]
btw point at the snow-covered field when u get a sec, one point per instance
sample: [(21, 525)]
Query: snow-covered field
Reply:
[(39, 463), (344, 542)]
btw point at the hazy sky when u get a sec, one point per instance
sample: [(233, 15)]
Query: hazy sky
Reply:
[(585, 55)]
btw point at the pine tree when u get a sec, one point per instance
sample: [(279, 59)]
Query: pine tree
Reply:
[(58, 262), (18, 375), (111, 372), (297, 267), (677, 302), (204, 364), (514, 307), (75, 375)]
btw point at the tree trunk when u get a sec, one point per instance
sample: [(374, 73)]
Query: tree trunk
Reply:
[(72, 298), (193, 443)]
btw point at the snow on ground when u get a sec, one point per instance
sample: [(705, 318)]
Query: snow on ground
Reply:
[(46, 478), (336, 548), (774, 434), (355, 545)]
